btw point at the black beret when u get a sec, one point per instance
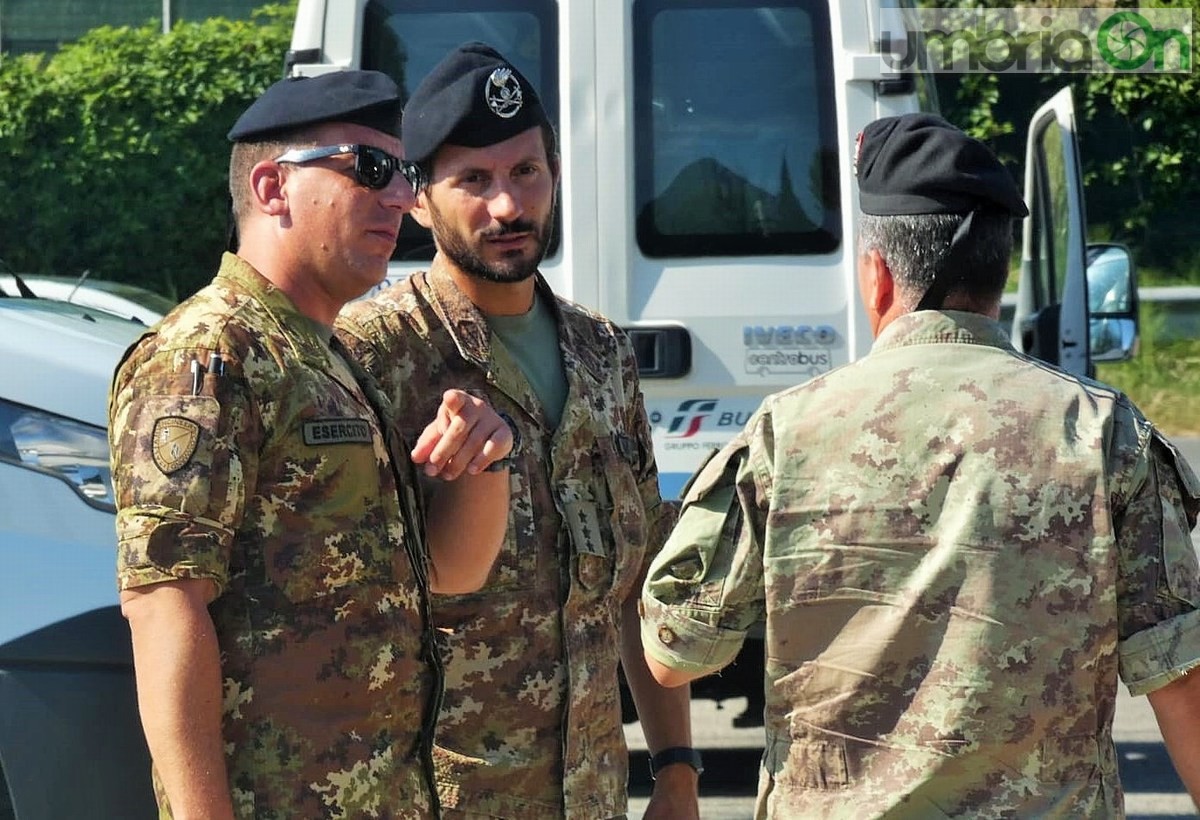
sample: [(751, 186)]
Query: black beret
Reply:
[(369, 98), (474, 98), (921, 164)]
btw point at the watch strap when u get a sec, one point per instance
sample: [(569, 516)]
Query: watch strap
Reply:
[(676, 754), (506, 463)]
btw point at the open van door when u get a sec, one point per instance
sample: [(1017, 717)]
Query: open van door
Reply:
[(1051, 318)]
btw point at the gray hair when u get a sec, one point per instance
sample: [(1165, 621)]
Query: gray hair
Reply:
[(915, 247)]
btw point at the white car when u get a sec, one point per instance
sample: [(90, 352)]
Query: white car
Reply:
[(120, 298), (70, 741)]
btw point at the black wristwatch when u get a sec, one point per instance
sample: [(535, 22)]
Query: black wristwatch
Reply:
[(506, 463), (676, 754)]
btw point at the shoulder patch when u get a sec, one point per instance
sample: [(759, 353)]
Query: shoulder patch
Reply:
[(174, 442)]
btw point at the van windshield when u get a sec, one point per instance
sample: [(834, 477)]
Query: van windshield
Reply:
[(736, 133)]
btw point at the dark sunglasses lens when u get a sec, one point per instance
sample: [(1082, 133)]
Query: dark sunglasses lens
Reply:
[(373, 168), (412, 173)]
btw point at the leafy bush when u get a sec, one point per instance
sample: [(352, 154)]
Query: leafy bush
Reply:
[(114, 153)]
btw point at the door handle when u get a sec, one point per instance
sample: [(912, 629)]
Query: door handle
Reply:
[(662, 352)]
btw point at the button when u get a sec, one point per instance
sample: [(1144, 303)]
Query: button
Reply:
[(666, 635)]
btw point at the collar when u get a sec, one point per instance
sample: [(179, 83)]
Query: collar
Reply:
[(466, 323), (587, 347), (942, 327), (302, 333)]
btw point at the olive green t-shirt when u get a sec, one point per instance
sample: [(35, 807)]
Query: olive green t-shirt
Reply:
[(532, 340)]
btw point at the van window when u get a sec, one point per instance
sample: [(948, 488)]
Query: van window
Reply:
[(736, 139), (1050, 220), (407, 38)]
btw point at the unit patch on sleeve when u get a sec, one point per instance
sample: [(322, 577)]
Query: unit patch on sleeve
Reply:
[(174, 442)]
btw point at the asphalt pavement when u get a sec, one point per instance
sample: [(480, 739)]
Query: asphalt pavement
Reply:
[(1152, 789)]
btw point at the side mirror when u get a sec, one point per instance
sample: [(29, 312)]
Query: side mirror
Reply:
[(1112, 302)]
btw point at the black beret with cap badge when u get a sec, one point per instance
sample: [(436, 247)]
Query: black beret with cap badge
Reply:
[(473, 98)]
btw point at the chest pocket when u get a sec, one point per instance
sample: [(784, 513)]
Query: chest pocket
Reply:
[(329, 519), (606, 519)]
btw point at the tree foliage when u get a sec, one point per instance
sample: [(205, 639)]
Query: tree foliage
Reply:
[(1138, 133), (114, 153)]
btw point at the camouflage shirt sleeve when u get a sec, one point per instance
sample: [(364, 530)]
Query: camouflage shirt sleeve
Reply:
[(705, 589), (181, 463), (1156, 501)]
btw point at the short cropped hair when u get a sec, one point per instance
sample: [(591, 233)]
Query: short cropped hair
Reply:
[(916, 246), (245, 155)]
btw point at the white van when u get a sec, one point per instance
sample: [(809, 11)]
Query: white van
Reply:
[(708, 200), (707, 194)]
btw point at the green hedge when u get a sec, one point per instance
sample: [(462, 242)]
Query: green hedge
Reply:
[(113, 150)]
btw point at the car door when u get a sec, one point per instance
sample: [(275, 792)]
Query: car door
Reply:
[(1050, 320)]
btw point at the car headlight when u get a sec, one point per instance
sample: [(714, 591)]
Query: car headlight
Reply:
[(54, 445)]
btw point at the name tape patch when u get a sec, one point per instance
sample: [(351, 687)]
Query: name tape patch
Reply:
[(337, 431)]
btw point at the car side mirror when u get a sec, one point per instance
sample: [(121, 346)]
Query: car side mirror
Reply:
[(1112, 302)]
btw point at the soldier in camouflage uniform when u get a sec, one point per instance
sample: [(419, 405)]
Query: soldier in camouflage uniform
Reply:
[(272, 560), (531, 724), (956, 548)]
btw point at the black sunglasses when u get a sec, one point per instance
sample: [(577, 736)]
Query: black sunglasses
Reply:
[(373, 167)]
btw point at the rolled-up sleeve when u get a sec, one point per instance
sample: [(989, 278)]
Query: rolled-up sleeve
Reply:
[(1163, 653), (176, 518), (704, 590), (1159, 587)]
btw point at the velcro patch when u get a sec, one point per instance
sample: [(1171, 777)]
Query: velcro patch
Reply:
[(337, 431), (174, 442)]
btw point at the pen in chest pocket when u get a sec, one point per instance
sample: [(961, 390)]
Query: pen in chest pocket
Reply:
[(216, 368)]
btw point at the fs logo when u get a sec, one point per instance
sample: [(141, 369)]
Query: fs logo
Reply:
[(689, 416)]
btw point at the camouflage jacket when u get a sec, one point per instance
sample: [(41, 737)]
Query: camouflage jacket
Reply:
[(955, 549), (531, 722), (268, 473)]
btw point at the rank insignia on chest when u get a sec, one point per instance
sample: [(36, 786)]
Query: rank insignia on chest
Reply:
[(174, 442)]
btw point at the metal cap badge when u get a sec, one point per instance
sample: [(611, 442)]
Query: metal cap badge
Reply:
[(502, 93)]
